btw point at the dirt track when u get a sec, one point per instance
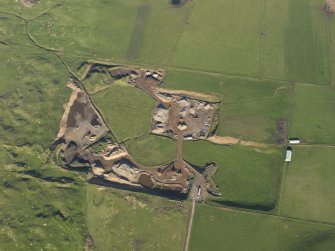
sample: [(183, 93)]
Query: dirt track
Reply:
[(233, 141)]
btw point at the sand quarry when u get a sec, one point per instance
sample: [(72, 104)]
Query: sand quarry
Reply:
[(181, 115)]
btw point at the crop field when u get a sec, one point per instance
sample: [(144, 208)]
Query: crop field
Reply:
[(250, 109), (127, 110), (235, 230), (309, 184), (152, 150), (247, 177), (314, 114), (288, 56), (121, 220)]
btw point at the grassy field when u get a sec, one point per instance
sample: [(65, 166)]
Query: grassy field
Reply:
[(28, 13), (249, 109), (296, 41), (127, 110), (246, 176), (33, 91), (220, 229), (331, 25), (121, 220), (220, 36), (92, 28), (154, 41), (314, 114), (42, 205), (152, 150), (309, 183)]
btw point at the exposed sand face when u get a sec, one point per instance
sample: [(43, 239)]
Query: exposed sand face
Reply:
[(331, 5), (63, 122)]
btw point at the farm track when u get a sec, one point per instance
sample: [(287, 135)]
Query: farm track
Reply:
[(189, 228)]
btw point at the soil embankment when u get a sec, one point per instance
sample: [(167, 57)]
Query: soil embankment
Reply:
[(67, 108)]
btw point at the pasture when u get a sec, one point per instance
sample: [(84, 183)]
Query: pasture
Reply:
[(225, 229), (127, 110), (253, 110), (152, 150), (33, 91), (220, 36), (122, 220), (296, 46), (313, 114), (309, 184), (42, 205), (247, 177), (100, 29)]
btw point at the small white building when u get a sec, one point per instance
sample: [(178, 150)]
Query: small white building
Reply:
[(288, 156), (294, 141)]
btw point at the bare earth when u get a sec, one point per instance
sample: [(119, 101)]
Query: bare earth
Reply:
[(63, 122), (188, 93), (331, 5), (233, 141)]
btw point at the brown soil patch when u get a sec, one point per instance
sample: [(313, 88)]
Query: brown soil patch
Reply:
[(223, 140), (330, 5), (233, 141)]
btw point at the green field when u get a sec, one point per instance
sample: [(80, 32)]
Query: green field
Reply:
[(246, 176), (126, 109), (121, 220), (249, 109), (331, 25), (271, 64), (220, 36), (154, 42), (99, 29), (309, 183), (33, 91), (152, 150), (222, 229), (314, 114), (42, 205), (295, 45)]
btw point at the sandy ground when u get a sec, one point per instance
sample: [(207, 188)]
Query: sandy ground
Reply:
[(63, 122), (232, 141), (188, 93), (331, 4), (223, 140)]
